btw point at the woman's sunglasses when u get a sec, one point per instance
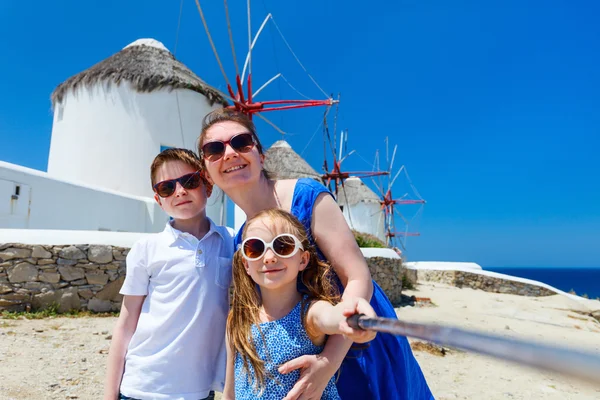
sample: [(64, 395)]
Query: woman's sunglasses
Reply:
[(189, 182), (284, 246), (242, 143)]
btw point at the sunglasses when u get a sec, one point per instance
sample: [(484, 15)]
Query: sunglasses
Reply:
[(284, 246), (188, 181), (242, 143)]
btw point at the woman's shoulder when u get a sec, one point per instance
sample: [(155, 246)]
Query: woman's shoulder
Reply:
[(302, 187)]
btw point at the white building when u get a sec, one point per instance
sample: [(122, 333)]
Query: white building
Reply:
[(361, 207), (110, 121)]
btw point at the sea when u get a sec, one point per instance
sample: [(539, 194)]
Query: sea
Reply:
[(584, 281)]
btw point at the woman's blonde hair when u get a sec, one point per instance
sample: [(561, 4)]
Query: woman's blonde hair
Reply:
[(316, 280)]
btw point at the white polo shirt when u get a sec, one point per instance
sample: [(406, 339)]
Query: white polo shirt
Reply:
[(178, 348)]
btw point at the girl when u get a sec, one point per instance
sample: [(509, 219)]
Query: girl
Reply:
[(386, 368), (270, 321)]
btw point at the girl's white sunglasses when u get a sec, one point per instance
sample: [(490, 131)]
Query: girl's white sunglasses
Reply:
[(284, 246)]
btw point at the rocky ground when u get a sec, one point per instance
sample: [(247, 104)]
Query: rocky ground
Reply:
[(64, 358)]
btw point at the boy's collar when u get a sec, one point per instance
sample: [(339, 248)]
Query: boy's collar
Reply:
[(176, 233)]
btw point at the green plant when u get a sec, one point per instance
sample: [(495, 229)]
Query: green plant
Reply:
[(368, 240), (406, 283), (52, 311)]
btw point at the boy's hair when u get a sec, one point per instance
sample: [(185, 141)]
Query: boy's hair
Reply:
[(224, 115), (245, 305), (184, 155)]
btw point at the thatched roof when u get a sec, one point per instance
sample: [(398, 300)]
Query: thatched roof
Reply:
[(147, 65), (356, 192), (282, 161)]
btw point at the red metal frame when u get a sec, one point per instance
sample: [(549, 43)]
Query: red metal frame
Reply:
[(248, 107), (387, 206), (338, 176)]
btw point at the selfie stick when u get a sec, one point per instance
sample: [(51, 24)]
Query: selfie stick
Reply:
[(565, 361)]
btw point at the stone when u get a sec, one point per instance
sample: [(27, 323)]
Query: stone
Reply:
[(12, 253), (65, 261), (71, 273), (111, 291), (71, 253), (23, 272), (40, 252), (117, 255), (89, 265), (50, 277), (67, 300), (6, 264), (96, 278), (5, 304), (36, 286), (97, 305), (112, 275), (22, 296), (78, 282), (86, 293), (45, 261), (5, 288), (100, 254)]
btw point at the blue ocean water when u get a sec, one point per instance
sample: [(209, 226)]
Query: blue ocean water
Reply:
[(582, 280)]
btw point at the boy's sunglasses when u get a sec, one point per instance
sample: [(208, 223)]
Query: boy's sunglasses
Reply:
[(188, 181), (242, 143), (284, 246)]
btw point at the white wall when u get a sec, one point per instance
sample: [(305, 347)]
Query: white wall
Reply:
[(366, 217), (45, 202), (107, 136), (56, 204)]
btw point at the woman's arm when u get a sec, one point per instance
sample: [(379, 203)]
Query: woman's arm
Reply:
[(336, 241), (124, 329), (323, 318), (229, 391)]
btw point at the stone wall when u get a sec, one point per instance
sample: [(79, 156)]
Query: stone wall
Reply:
[(387, 272), (484, 282), (71, 277), (74, 277)]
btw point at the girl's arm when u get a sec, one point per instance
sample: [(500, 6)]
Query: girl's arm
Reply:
[(124, 329), (336, 241), (229, 391), (324, 318)]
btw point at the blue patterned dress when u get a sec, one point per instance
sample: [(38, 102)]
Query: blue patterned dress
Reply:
[(384, 368), (285, 340)]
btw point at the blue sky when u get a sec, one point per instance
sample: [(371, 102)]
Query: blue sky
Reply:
[(494, 105)]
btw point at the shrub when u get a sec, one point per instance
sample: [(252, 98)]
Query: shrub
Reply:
[(368, 240)]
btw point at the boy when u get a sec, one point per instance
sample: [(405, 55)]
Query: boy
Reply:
[(169, 340)]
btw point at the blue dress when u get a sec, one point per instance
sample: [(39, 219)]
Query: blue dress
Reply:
[(384, 368), (285, 339)]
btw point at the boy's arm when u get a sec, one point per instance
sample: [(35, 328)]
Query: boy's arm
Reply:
[(229, 391), (327, 319), (124, 329)]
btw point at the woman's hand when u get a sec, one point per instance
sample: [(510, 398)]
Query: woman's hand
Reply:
[(353, 306), (315, 373)]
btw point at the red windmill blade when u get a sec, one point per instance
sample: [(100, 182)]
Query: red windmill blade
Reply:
[(389, 203), (336, 175), (244, 102)]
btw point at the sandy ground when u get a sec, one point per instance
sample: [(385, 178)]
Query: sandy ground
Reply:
[(64, 358)]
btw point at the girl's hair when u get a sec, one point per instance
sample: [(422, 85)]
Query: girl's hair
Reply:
[(316, 279), (185, 156), (226, 114)]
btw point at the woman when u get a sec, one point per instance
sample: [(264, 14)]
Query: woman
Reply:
[(383, 369)]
